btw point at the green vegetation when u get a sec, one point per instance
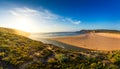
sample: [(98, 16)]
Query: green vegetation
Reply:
[(17, 51), (13, 31)]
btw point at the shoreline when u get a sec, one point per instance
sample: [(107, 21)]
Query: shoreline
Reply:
[(95, 41)]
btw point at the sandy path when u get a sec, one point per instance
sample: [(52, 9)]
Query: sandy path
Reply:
[(97, 41)]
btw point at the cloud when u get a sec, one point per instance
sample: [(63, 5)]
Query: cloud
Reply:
[(23, 12), (73, 21), (76, 22), (43, 15)]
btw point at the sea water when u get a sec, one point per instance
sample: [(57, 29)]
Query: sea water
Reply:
[(54, 34)]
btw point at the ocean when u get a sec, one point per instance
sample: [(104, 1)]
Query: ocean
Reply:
[(54, 34)]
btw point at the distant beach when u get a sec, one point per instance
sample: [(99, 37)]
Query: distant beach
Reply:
[(96, 41)]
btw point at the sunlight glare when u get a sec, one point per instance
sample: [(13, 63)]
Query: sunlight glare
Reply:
[(23, 23)]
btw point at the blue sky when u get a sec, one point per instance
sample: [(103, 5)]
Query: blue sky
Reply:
[(60, 15)]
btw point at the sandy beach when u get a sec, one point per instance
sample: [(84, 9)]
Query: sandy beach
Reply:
[(96, 41)]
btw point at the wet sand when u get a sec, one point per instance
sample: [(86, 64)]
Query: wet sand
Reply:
[(96, 41)]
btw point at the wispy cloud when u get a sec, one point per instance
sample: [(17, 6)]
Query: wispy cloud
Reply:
[(73, 21), (77, 22), (42, 14), (23, 12)]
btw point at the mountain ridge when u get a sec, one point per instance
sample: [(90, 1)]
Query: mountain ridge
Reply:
[(99, 31)]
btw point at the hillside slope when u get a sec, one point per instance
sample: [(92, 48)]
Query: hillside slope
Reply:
[(19, 52), (14, 31)]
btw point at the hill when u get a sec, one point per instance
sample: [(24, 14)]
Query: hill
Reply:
[(13, 31), (100, 31), (20, 52)]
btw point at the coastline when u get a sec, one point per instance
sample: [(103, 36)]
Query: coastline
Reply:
[(95, 41)]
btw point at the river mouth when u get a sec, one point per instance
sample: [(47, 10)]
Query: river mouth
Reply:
[(60, 44), (45, 38)]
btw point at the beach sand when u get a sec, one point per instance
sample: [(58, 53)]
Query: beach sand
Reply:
[(96, 41)]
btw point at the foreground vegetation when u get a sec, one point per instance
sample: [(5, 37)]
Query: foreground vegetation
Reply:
[(19, 52)]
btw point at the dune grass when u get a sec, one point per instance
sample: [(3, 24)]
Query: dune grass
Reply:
[(17, 51)]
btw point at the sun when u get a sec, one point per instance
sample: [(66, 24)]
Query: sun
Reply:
[(27, 24), (23, 23)]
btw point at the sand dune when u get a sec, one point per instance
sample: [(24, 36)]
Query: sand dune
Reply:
[(109, 35), (97, 41)]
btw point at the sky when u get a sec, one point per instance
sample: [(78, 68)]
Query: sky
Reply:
[(60, 15)]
